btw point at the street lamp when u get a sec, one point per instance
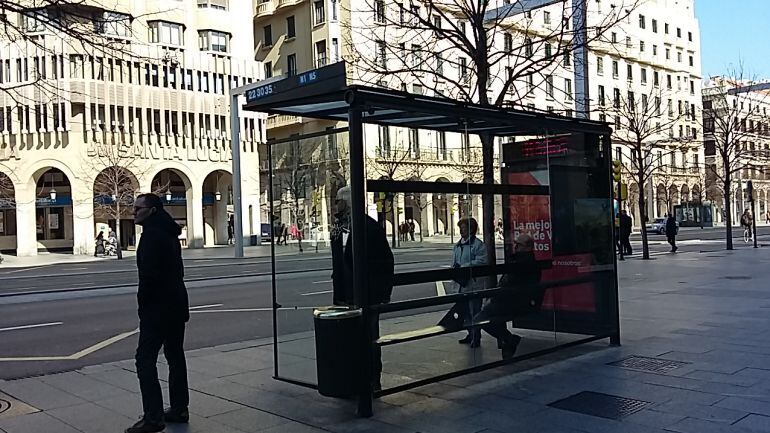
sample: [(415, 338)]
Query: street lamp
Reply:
[(52, 194), (168, 195), (218, 195)]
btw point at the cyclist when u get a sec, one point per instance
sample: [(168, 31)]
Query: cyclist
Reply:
[(746, 224)]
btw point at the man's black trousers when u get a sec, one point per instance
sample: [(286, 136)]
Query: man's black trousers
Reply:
[(154, 334)]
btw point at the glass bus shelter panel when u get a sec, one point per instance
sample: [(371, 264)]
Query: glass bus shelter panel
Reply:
[(578, 239), (306, 174)]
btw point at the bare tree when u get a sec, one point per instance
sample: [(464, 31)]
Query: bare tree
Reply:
[(389, 163), (648, 129), (89, 27), (478, 51), (116, 184), (734, 121), (294, 173), (7, 198)]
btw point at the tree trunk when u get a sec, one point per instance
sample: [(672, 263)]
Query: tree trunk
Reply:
[(728, 214), (394, 232), (488, 203), (643, 216)]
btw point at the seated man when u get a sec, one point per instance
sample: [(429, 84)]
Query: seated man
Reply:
[(523, 297)]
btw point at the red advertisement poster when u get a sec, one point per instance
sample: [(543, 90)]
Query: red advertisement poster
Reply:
[(531, 214)]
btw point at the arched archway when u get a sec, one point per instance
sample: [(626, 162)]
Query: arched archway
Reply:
[(218, 219), (7, 214), (414, 206), (465, 203), (54, 224), (684, 194), (441, 211), (175, 189), (672, 198), (696, 194), (114, 191)]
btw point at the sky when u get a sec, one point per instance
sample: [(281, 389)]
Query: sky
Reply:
[(733, 30)]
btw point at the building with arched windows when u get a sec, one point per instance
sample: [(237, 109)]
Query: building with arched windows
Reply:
[(143, 108)]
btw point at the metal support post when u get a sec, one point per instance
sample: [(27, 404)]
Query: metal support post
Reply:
[(580, 56), (235, 147), (620, 206), (358, 233)]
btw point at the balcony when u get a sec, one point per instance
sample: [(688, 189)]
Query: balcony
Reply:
[(282, 120), (286, 3), (265, 8)]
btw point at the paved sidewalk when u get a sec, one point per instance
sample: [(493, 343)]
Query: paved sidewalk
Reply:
[(708, 311)]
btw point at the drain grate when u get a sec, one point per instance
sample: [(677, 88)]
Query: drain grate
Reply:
[(601, 405), (4, 405), (10, 407), (653, 365)]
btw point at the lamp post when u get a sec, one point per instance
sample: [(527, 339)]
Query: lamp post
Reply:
[(168, 195), (52, 194)]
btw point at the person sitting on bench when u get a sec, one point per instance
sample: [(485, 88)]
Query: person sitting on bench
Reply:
[(521, 298)]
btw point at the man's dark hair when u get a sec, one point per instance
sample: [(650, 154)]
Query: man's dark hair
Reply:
[(152, 199)]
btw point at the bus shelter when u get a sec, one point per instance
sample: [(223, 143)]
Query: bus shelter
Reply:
[(541, 178)]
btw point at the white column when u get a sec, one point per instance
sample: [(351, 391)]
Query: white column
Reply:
[(82, 219), (26, 218), (220, 220), (428, 217), (195, 227), (479, 213), (454, 211)]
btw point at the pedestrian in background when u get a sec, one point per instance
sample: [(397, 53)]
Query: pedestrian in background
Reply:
[(671, 232), (470, 251), (625, 233), (99, 243), (163, 312)]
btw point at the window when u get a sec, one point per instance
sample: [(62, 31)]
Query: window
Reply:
[(268, 69), (679, 56), (439, 63), (668, 81), (642, 22), (678, 32), (641, 46), (692, 61), (379, 11), (689, 36), (463, 68), (416, 56), (335, 50), (417, 89), (414, 142), (614, 38), (645, 103), (665, 28), (334, 10), (668, 53), (567, 62), (615, 68), (708, 124), (441, 145), (162, 32), (548, 52), (601, 96), (210, 40), (291, 65), (600, 65), (546, 17), (213, 4), (320, 14), (530, 84), (628, 42), (616, 98), (568, 89), (320, 54), (630, 72), (268, 35), (655, 26), (507, 42), (657, 105), (528, 48), (113, 24), (291, 30), (692, 87), (655, 79), (644, 75), (549, 86)]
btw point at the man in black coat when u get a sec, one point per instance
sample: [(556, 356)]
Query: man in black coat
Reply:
[(378, 270), (522, 297), (671, 230), (163, 312), (625, 232)]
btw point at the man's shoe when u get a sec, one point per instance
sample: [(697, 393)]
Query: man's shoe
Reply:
[(509, 348), (466, 340), (145, 426), (181, 416)]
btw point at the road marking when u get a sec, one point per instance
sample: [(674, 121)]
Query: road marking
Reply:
[(74, 269), (205, 306), (77, 355), (202, 260), (323, 292), (39, 325), (25, 269), (440, 291), (323, 282)]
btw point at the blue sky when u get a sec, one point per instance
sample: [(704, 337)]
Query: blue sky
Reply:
[(731, 30)]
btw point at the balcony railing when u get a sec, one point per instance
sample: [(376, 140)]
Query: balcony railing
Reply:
[(265, 8), (281, 120)]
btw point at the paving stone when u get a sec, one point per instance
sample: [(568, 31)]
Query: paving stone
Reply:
[(652, 418), (83, 386), (745, 404), (701, 411), (293, 427), (732, 379), (248, 419), (694, 425), (39, 422), (203, 425), (755, 422), (90, 418), (207, 405), (127, 405), (38, 394)]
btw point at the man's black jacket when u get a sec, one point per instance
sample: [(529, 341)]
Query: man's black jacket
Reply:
[(162, 294), (378, 266)]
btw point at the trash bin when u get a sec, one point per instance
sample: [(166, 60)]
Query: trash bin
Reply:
[(253, 240), (338, 336)]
